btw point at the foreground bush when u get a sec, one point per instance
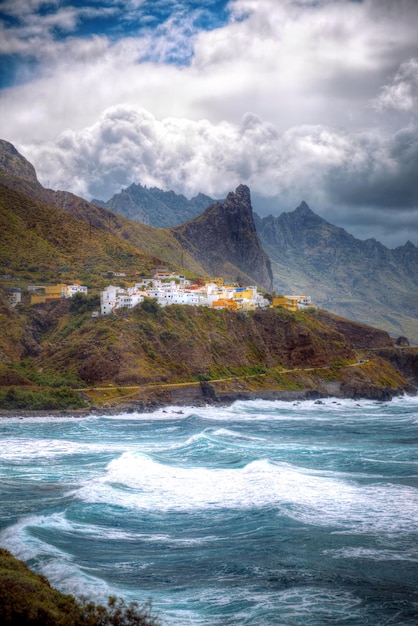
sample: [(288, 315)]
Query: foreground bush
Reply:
[(43, 399), (27, 599)]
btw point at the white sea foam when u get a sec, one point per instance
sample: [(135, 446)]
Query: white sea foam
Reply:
[(196, 498), (166, 413), (374, 555), (57, 565), (299, 410), (24, 449), (44, 419), (136, 481), (291, 605), (23, 544)]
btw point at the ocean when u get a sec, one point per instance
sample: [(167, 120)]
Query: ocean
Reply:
[(261, 513)]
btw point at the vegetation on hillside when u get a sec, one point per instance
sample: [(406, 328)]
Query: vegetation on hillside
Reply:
[(50, 354), (27, 599), (50, 235), (43, 243), (60, 352)]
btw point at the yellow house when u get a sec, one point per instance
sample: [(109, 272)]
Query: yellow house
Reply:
[(246, 293), (55, 292), (291, 303), (217, 281), (245, 304), (50, 292), (222, 303), (36, 298)]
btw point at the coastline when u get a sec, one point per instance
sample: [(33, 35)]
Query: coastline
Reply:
[(205, 394)]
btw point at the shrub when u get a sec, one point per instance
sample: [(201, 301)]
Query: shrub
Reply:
[(169, 335), (80, 303), (149, 350), (118, 613), (150, 305), (27, 599), (47, 399), (203, 377)]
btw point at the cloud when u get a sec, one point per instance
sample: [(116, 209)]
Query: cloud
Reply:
[(300, 99), (326, 167), (289, 62), (401, 94)]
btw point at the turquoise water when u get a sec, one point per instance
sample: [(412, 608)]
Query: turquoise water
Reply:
[(262, 513)]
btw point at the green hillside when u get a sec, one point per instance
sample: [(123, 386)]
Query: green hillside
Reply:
[(40, 242), (58, 350)]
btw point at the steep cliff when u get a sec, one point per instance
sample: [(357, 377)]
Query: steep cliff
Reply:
[(225, 239), (145, 354), (13, 162)]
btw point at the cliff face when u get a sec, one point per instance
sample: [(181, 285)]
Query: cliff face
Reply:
[(226, 241), (268, 353), (405, 360), (358, 335), (171, 344), (14, 163)]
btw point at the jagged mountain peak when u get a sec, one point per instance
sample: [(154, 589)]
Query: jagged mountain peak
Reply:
[(154, 206), (408, 246), (304, 214), (227, 239), (242, 194), (303, 209), (236, 201), (12, 162)]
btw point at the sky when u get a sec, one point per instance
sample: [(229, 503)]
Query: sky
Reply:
[(313, 100)]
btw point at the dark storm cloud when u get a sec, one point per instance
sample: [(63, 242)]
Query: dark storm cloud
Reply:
[(386, 178)]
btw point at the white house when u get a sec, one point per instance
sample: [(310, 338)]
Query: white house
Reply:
[(70, 290), (171, 292)]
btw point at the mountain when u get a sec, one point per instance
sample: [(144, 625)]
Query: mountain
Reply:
[(43, 243), (360, 280), (14, 163), (51, 350), (224, 237), (155, 207), (25, 203)]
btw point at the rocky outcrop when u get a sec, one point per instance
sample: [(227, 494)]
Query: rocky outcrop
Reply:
[(225, 240), (358, 335), (405, 360), (12, 162)]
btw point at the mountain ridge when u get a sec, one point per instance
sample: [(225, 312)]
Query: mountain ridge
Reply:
[(360, 280), (154, 206), (48, 352), (162, 244)]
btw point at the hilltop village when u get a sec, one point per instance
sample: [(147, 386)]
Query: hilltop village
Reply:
[(168, 288)]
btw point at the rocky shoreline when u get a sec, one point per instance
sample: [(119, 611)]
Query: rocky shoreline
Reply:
[(205, 394)]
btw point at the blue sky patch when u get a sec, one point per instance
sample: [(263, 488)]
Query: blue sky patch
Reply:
[(113, 20)]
